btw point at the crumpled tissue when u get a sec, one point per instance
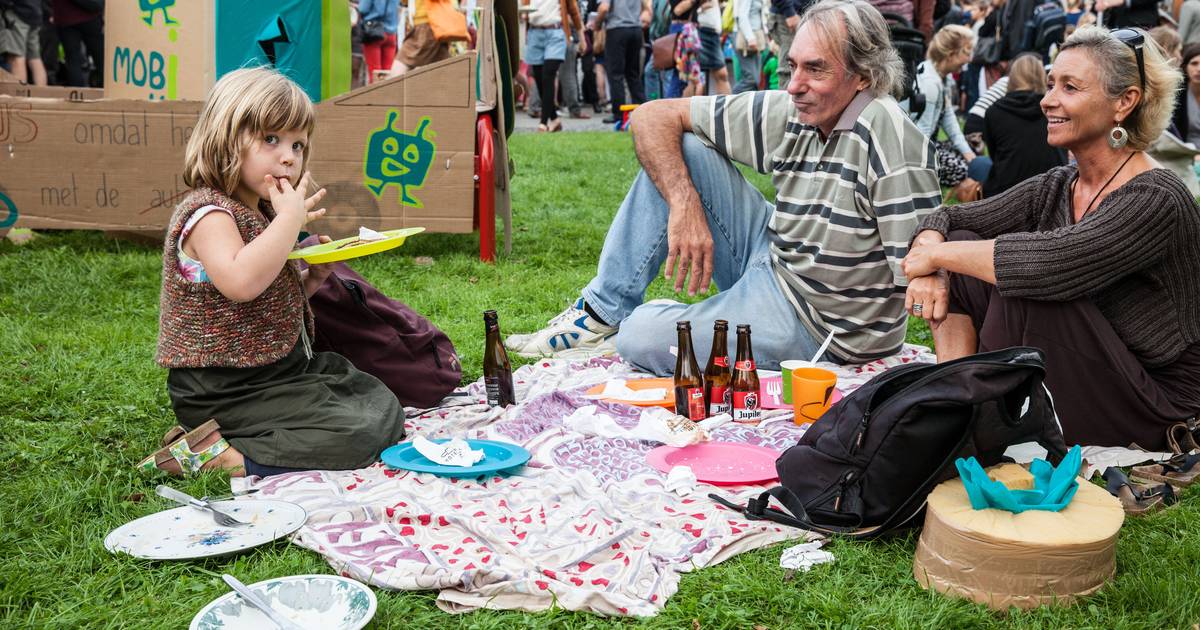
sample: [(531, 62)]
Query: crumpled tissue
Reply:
[(681, 480), (455, 452), (655, 424), (367, 234), (805, 556)]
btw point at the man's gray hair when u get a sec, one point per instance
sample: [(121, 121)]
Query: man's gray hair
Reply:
[(866, 41)]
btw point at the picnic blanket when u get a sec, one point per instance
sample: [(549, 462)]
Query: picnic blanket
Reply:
[(585, 525)]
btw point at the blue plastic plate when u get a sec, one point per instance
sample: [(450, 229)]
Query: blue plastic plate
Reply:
[(497, 456)]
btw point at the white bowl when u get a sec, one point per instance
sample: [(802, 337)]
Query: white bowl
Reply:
[(328, 602)]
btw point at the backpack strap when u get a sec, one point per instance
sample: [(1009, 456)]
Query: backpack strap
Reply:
[(759, 509)]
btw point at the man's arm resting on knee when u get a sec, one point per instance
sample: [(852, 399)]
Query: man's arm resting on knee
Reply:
[(658, 128)]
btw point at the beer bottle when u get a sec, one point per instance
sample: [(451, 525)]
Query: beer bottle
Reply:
[(746, 406), (717, 374), (497, 372), (689, 385)]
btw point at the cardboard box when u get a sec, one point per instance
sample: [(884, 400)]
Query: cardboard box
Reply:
[(164, 50), (115, 164)]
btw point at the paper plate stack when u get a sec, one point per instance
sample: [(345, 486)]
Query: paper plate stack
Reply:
[(1026, 560)]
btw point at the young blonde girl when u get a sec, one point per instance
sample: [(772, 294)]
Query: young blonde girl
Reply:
[(235, 323)]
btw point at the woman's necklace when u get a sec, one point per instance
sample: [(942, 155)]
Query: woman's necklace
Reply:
[(1097, 195)]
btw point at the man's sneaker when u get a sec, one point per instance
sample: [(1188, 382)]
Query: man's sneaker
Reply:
[(572, 333)]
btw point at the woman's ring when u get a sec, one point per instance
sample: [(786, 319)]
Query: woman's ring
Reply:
[(917, 309)]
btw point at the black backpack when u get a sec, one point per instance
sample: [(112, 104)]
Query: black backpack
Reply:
[(910, 45), (866, 467), (1044, 28)]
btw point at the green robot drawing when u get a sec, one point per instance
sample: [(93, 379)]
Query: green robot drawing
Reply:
[(396, 157), (149, 7)]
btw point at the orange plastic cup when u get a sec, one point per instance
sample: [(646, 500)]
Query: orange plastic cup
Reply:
[(812, 393)]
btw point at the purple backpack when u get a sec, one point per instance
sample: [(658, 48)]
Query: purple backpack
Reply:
[(384, 338)]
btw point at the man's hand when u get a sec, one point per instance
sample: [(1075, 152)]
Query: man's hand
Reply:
[(689, 249), (932, 293), (580, 48), (792, 22)]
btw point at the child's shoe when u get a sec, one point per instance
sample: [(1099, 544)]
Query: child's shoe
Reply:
[(189, 453)]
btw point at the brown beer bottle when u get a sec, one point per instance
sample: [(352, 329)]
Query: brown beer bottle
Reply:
[(717, 374), (746, 406), (497, 372), (689, 385)]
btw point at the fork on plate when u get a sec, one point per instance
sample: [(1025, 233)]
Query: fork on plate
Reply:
[(183, 498)]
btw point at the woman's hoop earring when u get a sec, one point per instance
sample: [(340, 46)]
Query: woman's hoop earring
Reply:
[(1118, 137)]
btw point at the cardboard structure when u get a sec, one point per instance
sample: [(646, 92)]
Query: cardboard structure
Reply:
[(404, 152), (115, 164)]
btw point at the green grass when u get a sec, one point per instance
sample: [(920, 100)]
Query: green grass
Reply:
[(81, 401)]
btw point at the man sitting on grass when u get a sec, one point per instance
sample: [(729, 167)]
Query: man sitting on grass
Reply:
[(853, 178)]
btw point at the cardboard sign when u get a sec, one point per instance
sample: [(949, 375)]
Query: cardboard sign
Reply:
[(394, 154), (169, 50), (159, 49)]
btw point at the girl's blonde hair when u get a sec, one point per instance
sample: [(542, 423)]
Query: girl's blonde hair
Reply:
[(1118, 67), (947, 42), (242, 106), (1027, 74)]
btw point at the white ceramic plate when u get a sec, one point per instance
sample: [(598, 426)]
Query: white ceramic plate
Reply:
[(186, 532), (328, 602)]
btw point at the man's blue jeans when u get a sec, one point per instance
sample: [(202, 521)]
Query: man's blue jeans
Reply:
[(636, 247)]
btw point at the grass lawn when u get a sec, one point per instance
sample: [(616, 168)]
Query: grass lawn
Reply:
[(81, 401)]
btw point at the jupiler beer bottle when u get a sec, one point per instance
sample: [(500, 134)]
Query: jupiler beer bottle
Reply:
[(689, 385), (746, 404), (497, 372), (717, 374)]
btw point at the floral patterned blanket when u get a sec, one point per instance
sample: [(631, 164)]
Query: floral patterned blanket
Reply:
[(586, 525)]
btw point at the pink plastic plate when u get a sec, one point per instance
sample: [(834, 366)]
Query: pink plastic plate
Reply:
[(719, 463)]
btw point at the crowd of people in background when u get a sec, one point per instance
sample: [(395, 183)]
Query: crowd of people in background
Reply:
[(977, 67)]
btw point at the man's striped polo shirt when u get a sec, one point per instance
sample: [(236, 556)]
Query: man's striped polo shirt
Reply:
[(845, 208)]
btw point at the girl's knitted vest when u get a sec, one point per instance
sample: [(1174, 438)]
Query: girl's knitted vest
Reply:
[(200, 327)]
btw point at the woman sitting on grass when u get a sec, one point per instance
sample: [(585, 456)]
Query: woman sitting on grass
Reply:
[(235, 324), (1096, 264)]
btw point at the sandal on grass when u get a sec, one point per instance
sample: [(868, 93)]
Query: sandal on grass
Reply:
[(1180, 471), (1181, 436), (1137, 499), (189, 453)]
